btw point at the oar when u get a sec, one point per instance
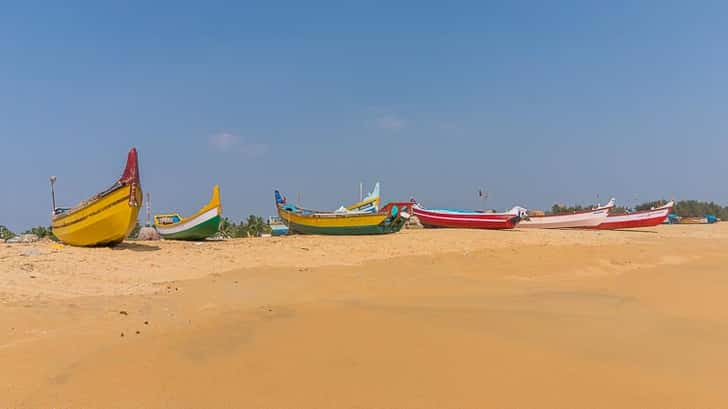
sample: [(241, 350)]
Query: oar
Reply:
[(53, 194)]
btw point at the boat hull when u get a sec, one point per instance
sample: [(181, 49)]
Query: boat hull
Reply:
[(197, 229), (647, 218), (567, 221), (108, 217), (279, 230), (465, 220), (341, 224), (341, 230), (105, 221), (201, 225)]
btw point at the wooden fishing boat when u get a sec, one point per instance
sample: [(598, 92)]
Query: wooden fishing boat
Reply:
[(469, 219), (390, 219), (582, 219), (644, 218), (106, 218), (277, 227), (201, 225), (370, 204)]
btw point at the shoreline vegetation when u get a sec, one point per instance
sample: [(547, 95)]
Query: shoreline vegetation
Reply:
[(255, 226)]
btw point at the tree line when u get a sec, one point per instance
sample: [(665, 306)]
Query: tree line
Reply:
[(253, 226), (40, 231), (696, 208), (559, 208), (683, 208)]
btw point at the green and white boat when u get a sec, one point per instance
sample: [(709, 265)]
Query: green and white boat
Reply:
[(199, 226)]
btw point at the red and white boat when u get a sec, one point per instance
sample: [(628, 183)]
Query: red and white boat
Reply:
[(644, 218), (469, 219), (582, 219)]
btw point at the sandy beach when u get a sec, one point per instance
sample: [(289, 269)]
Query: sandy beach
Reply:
[(419, 319)]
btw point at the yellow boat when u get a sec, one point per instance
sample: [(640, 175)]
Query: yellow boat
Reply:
[(369, 204), (108, 217), (389, 219)]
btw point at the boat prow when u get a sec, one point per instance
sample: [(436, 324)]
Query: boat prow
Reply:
[(106, 218), (201, 225)]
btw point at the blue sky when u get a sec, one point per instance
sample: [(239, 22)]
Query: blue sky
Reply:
[(535, 102)]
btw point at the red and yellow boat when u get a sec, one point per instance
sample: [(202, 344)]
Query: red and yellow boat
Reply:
[(108, 217)]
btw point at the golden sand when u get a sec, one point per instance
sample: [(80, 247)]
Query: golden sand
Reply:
[(419, 319)]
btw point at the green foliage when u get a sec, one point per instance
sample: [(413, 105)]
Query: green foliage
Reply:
[(41, 232), (690, 208), (558, 208), (135, 231), (253, 226), (5, 233), (256, 226), (650, 205), (619, 210), (227, 228), (695, 208)]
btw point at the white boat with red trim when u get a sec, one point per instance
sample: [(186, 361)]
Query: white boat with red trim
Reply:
[(644, 218), (576, 220)]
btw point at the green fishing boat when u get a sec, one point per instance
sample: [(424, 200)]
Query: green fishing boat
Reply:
[(201, 225)]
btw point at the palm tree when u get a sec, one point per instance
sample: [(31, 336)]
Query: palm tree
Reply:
[(256, 226), (227, 228), (40, 231), (5, 233), (252, 227)]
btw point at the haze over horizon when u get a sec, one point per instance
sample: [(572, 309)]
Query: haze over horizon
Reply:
[(536, 104)]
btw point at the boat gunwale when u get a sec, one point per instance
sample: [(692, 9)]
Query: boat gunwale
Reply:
[(580, 212), (462, 213), (668, 205), (330, 215), (90, 202), (609, 206), (307, 225)]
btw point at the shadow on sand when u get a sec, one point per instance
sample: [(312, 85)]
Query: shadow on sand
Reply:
[(135, 247), (634, 231)]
